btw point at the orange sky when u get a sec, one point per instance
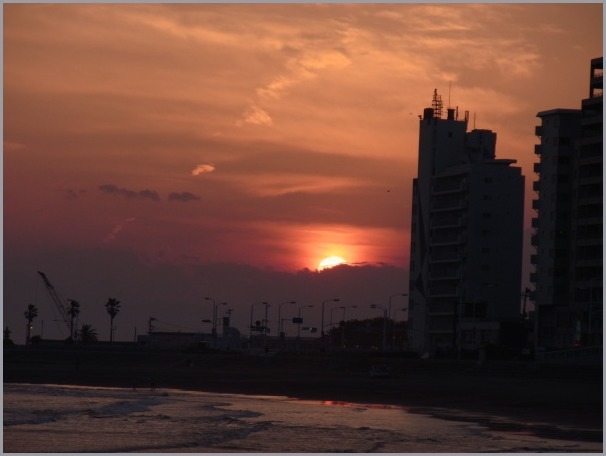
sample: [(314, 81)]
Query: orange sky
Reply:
[(272, 135), (303, 118)]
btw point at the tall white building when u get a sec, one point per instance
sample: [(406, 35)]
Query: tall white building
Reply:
[(466, 238), (568, 229)]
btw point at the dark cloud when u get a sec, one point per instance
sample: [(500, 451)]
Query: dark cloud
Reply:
[(130, 194), (183, 197), (74, 194)]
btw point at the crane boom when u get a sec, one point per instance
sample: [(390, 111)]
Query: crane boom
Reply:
[(63, 313)]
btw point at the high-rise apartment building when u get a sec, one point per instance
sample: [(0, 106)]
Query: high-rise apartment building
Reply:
[(568, 229), (466, 237)]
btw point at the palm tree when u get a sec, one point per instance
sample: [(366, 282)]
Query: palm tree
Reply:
[(113, 307), (30, 314), (73, 312), (87, 334)]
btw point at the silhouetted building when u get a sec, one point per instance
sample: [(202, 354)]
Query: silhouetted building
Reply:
[(568, 229), (466, 237)]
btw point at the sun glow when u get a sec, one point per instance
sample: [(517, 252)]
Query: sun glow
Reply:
[(331, 262)]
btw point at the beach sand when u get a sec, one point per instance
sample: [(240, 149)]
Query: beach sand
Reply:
[(563, 399)]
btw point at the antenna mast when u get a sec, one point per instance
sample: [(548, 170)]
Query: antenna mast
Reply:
[(436, 104)]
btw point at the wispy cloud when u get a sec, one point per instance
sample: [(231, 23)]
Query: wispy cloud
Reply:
[(254, 115), (114, 232), (183, 197), (130, 194), (203, 169)]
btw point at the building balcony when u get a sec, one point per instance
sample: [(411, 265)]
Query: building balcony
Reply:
[(589, 263), (534, 222), (445, 275), (444, 258), (444, 239), (537, 168), (534, 259), (536, 204), (444, 206), (442, 188), (451, 221), (533, 277), (536, 186), (538, 149), (439, 291), (589, 220), (538, 131), (534, 240)]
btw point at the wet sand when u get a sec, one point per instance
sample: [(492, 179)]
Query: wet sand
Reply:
[(565, 400)]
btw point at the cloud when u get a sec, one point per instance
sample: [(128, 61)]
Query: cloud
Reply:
[(130, 194), (203, 169), (112, 235), (256, 116), (183, 197), (74, 194)]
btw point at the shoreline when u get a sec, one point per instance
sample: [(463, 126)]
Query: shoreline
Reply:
[(561, 401)]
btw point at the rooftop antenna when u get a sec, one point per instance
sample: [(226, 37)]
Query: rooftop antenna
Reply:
[(436, 104)]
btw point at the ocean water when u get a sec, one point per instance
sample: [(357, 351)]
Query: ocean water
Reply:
[(71, 419)]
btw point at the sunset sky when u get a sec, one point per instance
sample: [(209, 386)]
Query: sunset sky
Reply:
[(152, 150)]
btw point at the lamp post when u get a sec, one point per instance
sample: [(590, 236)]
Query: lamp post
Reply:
[(393, 338), (251, 319), (280, 315), (265, 328), (299, 324), (322, 328), (389, 313), (215, 305), (343, 328), (332, 311), (375, 306), (214, 320)]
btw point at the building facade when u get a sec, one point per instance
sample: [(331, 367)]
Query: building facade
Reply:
[(466, 238), (568, 228)]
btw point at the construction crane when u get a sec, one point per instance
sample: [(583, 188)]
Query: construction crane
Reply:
[(61, 308)]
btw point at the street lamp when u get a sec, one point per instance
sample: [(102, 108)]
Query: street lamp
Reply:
[(375, 306), (215, 305), (395, 311), (389, 312), (251, 319), (343, 328), (265, 328), (280, 314), (299, 324), (322, 328), (331, 316), (214, 309)]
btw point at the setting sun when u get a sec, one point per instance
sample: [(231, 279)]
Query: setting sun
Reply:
[(330, 262)]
